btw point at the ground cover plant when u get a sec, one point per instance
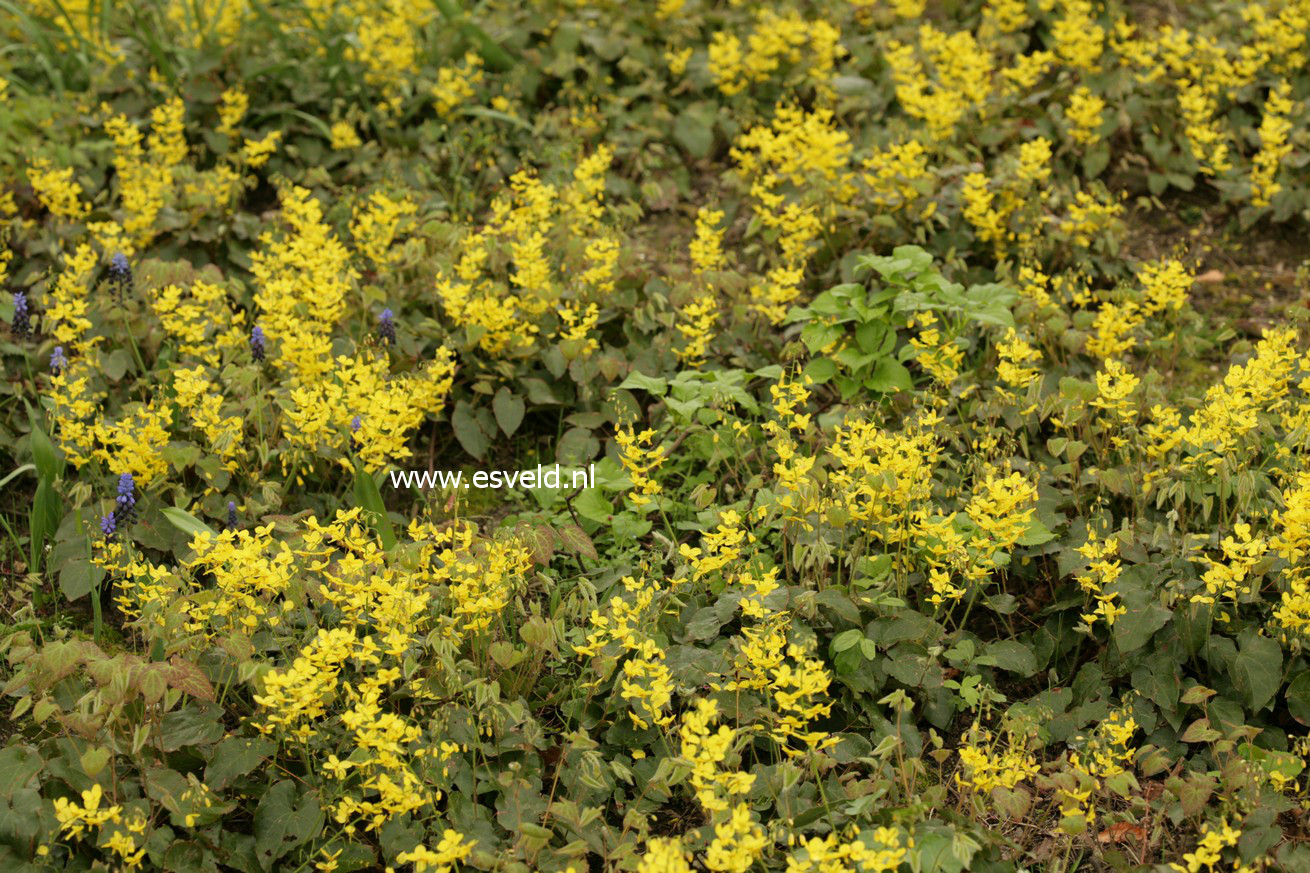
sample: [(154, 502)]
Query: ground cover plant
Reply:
[(942, 368)]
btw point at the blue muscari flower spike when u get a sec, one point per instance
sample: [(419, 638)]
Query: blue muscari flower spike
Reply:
[(387, 327), (120, 272), (231, 515), (108, 526), (22, 315), (58, 361), (257, 343), (125, 504), (355, 424)]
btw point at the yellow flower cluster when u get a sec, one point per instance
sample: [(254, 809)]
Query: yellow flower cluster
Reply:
[(786, 48), (123, 837), (798, 172), (376, 223), (942, 79), (986, 765), (457, 84), (500, 313), (1274, 144), (639, 460), (1103, 570)]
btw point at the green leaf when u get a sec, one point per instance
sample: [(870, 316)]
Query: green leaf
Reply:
[(79, 577), (576, 447), (44, 518), (20, 821), (839, 603), (495, 115), (1298, 697), (44, 454), (283, 821), (186, 522), (491, 51), (890, 375), (694, 128), (651, 384), (1145, 614), (1036, 534), (821, 370), (1258, 668), (18, 764), (194, 725), (1286, 765), (468, 431), (704, 625), (575, 540), (593, 507), (25, 468), (1096, 160), (628, 526), (509, 409), (846, 640), (1197, 694), (1200, 731), (369, 497), (1010, 655)]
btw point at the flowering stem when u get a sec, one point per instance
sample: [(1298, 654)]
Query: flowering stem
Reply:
[(96, 617), (136, 352)]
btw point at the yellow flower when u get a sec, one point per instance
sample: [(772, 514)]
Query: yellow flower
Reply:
[(897, 174), (640, 461), (232, 109), (451, 850), (1079, 40), (1114, 386), (57, 190), (1017, 356), (1084, 114), (376, 222), (664, 856), (457, 85), (707, 248), (1209, 851), (1274, 145), (987, 765), (344, 136), (696, 321), (677, 59), (1205, 135), (257, 151)]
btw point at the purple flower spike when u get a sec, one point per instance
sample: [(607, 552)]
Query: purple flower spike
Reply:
[(257, 350), (22, 315)]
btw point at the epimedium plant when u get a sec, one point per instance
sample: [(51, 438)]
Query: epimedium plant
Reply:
[(999, 567), (853, 329)]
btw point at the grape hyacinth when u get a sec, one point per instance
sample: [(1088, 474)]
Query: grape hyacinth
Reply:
[(125, 504), (124, 507), (231, 515), (387, 327), (58, 361), (120, 273), (22, 315), (257, 343)]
